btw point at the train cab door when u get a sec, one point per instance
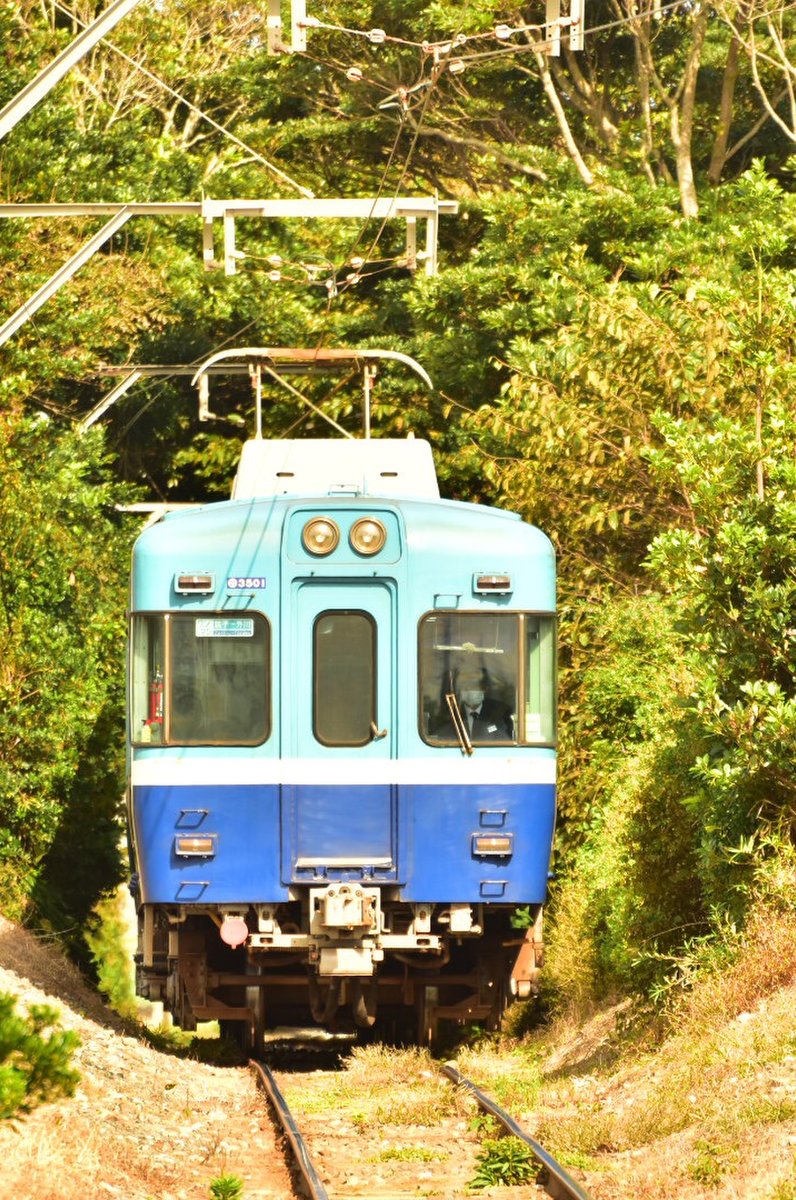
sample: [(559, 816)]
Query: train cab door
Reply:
[(339, 798)]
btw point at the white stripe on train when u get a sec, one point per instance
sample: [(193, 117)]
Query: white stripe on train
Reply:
[(174, 768)]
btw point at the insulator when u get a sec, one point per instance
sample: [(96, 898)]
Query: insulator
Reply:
[(456, 66), (354, 74), (377, 36), (274, 260), (357, 262), (444, 48), (503, 32), (460, 39), (353, 278), (275, 276)]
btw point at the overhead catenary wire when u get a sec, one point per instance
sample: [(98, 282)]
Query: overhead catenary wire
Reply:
[(501, 32), (404, 170), (277, 171)]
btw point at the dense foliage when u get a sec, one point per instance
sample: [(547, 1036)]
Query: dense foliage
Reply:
[(611, 339), (35, 1056), (62, 573)]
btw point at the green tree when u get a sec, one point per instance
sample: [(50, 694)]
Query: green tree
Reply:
[(63, 552)]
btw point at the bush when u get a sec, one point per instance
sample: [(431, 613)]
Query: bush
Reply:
[(34, 1064)]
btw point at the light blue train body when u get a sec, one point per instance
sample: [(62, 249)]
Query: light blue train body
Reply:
[(359, 848)]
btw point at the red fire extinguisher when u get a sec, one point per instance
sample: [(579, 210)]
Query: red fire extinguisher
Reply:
[(156, 698)]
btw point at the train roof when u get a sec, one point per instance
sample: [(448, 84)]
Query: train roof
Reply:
[(384, 467), (275, 477)]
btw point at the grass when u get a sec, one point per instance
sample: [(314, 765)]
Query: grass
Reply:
[(684, 1101), (408, 1108), (409, 1154), (227, 1187), (709, 1163)]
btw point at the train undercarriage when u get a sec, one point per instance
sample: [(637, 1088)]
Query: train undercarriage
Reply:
[(343, 956)]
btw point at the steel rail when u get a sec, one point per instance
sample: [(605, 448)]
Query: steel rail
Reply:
[(559, 1184), (309, 1175)]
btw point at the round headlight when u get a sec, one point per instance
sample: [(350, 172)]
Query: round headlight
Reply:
[(320, 535), (367, 536)]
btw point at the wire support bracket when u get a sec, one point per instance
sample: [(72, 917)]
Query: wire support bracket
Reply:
[(410, 209)]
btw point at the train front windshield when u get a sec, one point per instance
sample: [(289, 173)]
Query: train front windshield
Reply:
[(497, 668), (200, 680)]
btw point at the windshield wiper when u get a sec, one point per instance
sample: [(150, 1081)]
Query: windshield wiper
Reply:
[(459, 723)]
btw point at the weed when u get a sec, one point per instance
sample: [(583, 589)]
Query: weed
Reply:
[(765, 1110), (586, 1132), (169, 1039), (709, 1163), (578, 1160), (417, 1111), (513, 1091), (784, 1190), (35, 1057), (227, 1187), (484, 1124), (218, 1052), (409, 1154), (384, 1062), (502, 1163)]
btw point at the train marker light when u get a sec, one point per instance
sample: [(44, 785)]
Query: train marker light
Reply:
[(201, 583), (234, 931), (493, 843), (367, 536), (499, 584), (195, 845), (320, 535)]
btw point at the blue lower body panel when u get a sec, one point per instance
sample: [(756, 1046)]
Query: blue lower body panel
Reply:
[(418, 836), (440, 823), (336, 828), (245, 820)]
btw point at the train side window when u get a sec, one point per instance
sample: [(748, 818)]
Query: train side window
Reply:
[(474, 657), (147, 664), (219, 679), (540, 680), (200, 679), (344, 677)]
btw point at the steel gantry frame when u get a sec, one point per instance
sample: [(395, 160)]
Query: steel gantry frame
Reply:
[(411, 209)]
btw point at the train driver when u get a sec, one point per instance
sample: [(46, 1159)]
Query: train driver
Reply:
[(486, 719)]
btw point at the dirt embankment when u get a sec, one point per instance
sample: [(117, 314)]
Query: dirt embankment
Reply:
[(143, 1125)]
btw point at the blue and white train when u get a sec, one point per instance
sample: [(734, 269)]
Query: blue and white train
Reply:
[(342, 732)]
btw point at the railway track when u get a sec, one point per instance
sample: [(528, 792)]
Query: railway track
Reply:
[(552, 1179)]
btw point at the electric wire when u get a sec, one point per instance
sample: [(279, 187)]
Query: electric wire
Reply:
[(282, 175), (195, 363), (404, 171), (441, 51), (500, 33)]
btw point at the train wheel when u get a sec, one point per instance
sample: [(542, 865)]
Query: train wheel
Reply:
[(323, 1003), (426, 1003), (255, 1000)]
